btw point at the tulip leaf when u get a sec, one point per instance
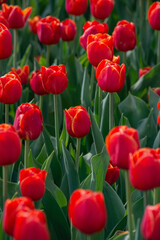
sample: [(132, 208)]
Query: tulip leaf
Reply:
[(26, 55), (104, 126), (47, 140), (47, 162), (153, 103), (138, 235), (138, 209), (42, 155), (120, 226), (84, 60), (156, 143), (85, 96), (120, 236)]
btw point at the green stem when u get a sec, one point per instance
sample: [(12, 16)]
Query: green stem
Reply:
[(6, 113), (99, 106), (155, 196), (147, 7), (78, 147), (124, 57), (92, 81), (111, 112), (26, 151), (129, 205), (145, 199), (60, 51), (41, 102), (48, 56), (15, 35), (89, 237), (56, 123), (23, 4), (158, 56), (5, 183), (141, 2), (12, 2)]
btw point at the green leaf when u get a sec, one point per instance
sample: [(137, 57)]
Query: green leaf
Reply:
[(120, 236), (121, 225), (138, 209), (85, 96), (25, 58), (84, 60), (104, 126), (153, 103), (47, 162), (42, 155), (156, 143), (138, 235)]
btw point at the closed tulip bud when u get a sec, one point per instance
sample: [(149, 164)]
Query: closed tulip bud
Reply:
[(112, 174), (76, 7), (87, 211), (154, 15), (33, 24), (92, 28), (144, 164), (159, 113), (10, 145), (54, 79), (143, 71), (10, 88), (120, 142), (99, 47), (77, 121), (28, 121), (32, 183), (124, 36), (101, 9), (36, 83), (150, 223), (5, 42), (48, 30), (15, 16), (11, 209), (68, 30), (23, 73), (110, 76), (31, 225)]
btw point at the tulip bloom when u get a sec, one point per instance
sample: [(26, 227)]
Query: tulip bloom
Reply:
[(10, 88), (99, 47), (23, 73), (159, 113), (76, 7), (11, 209), (28, 121), (110, 76), (10, 145), (77, 121), (112, 174), (5, 41), (32, 183), (68, 30), (54, 79), (154, 15), (120, 142), (36, 83), (92, 28), (33, 24), (15, 16), (48, 30), (3, 20), (87, 211), (143, 71), (124, 36), (101, 9), (150, 223)]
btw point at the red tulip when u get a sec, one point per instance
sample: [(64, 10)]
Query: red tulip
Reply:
[(87, 211), (54, 79), (28, 121), (154, 15), (150, 223), (68, 30), (10, 88), (23, 73), (36, 83), (11, 209), (48, 30), (76, 7), (3, 20), (99, 47), (92, 28), (143, 71), (33, 24), (77, 121), (156, 90), (101, 9), (31, 225), (112, 174), (32, 183), (159, 113), (5, 42), (10, 145), (110, 76), (144, 164), (124, 36), (15, 16), (120, 142)]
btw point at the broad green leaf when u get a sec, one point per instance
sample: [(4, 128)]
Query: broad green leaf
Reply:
[(121, 226), (119, 235), (25, 58), (153, 103), (42, 155), (84, 60), (104, 126), (138, 209), (156, 143), (85, 96), (47, 140), (138, 235), (47, 162)]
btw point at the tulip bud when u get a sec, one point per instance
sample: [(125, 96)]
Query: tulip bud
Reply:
[(154, 15), (120, 142), (124, 36), (23, 73), (143, 71), (87, 211), (10, 145), (68, 30), (11, 209), (5, 42), (48, 30), (76, 7), (101, 9), (110, 76), (112, 174), (36, 83), (28, 121), (54, 79), (32, 183), (33, 24), (99, 47), (77, 121)]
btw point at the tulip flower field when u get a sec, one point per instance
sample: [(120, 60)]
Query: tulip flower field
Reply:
[(79, 120)]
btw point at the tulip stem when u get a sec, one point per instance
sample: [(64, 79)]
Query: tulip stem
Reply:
[(78, 147), (111, 112), (145, 199), (6, 113), (141, 13), (15, 35), (26, 151), (129, 205), (40, 102), (89, 237), (158, 56), (23, 4), (56, 123), (48, 56), (99, 106), (92, 80), (5, 183), (155, 196)]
